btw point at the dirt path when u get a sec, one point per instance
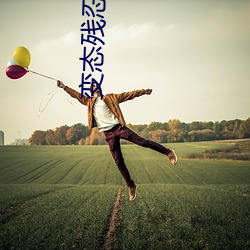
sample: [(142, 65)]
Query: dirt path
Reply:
[(111, 235)]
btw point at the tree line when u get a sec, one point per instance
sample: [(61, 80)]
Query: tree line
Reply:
[(172, 131)]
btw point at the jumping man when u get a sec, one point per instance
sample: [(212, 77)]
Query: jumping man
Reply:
[(105, 114)]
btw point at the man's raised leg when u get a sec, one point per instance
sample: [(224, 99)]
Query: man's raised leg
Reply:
[(131, 136)]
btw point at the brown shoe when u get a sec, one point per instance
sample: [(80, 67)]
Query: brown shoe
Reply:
[(172, 157), (132, 193)]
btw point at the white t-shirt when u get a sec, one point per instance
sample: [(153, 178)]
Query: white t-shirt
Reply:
[(105, 119)]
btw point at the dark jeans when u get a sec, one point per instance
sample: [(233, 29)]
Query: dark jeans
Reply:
[(113, 137)]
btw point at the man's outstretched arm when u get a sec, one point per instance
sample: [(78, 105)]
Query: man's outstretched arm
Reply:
[(73, 93), (132, 94)]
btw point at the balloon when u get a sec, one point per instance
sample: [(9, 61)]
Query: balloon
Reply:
[(15, 71), (11, 62), (22, 56)]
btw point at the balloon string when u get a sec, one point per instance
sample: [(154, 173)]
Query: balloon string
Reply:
[(50, 96), (71, 103), (31, 71)]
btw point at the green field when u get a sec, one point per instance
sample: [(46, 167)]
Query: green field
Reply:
[(62, 197)]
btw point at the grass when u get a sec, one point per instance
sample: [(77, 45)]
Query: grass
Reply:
[(61, 197), (187, 217), (65, 218), (58, 165), (240, 150)]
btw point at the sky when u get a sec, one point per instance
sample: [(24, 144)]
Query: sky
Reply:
[(194, 54)]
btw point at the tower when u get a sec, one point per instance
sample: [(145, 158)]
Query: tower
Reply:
[(1, 138)]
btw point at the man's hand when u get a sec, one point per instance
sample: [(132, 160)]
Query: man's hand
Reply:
[(60, 84), (148, 91)]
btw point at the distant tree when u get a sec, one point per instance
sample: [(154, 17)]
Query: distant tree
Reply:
[(140, 128), (76, 133), (185, 130), (145, 133), (81, 131), (50, 137), (175, 133), (244, 129), (159, 135), (70, 135), (60, 134), (217, 129), (202, 135), (196, 126), (96, 137), (175, 124), (37, 138), (82, 142), (236, 128), (157, 126)]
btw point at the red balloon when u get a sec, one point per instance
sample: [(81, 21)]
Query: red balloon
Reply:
[(15, 71)]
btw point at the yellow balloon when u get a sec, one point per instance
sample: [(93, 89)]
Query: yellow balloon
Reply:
[(22, 56)]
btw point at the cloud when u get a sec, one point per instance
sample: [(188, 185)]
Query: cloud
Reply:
[(210, 43), (58, 56), (128, 33), (136, 44), (64, 46), (123, 43)]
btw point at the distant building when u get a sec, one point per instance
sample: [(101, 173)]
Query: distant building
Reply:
[(1, 138)]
